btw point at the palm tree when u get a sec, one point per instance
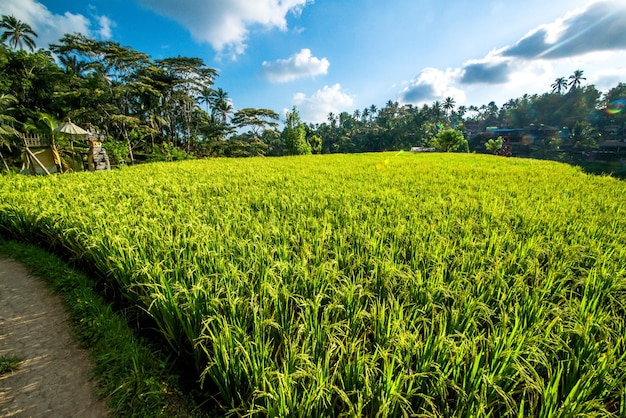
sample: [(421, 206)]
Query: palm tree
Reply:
[(576, 79), (492, 109), (448, 104), (365, 114), (474, 110), (332, 119), (373, 111), (206, 95), (559, 85), (7, 131), (73, 65), (6, 121), (17, 32), (436, 110), (222, 105)]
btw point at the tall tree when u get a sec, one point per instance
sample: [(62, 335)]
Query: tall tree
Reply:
[(576, 80), (17, 33), (32, 78), (222, 105), (559, 85), (294, 134), (257, 120), (7, 130), (373, 110), (7, 122), (73, 66), (448, 104), (332, 119), (436, 109)]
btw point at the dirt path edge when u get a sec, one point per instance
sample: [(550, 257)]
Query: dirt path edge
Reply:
[(54, 376)]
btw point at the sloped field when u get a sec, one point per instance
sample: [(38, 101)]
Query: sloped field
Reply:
[(351, 285)]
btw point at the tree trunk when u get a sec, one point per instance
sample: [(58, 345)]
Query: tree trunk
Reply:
[(130, 153), (4, 162)]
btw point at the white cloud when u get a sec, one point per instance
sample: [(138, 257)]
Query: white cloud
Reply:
[(315, 109), (225, 24), (597, 27), (302, 64), (51, 27), (433, 84), (591, 39), (105, 27), (609, 78)]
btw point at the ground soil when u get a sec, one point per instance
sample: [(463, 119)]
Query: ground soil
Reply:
[(53, 380)]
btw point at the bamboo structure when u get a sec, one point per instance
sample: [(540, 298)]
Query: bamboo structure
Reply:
[(45, 158)]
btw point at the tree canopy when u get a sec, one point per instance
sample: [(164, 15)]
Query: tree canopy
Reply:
[(152, 107)]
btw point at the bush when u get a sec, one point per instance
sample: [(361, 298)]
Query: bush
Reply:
[(448, 140)]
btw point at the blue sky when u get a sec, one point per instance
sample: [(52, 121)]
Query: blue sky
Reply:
[(341, 55)]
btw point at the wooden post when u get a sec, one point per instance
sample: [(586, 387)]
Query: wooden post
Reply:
[(31, 155)]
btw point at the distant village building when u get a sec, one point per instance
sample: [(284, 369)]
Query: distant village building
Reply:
[(524, 141)]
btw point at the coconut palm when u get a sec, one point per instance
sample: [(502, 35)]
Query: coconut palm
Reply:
[(7, 130), (448, 104), (332, 119), (73, 65), (222, 105), (559, 85), (576, 80), (365, 114), (373, 111), (17, 33), (436, 109), (474, 110)]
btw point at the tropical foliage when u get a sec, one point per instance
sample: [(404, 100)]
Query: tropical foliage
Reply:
[(8, 133), (7, 122), (17, 33), (294, 135), (146, 106), (448, 140), (494, 145)]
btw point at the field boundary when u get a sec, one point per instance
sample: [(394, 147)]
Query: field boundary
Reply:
[(131, 375)]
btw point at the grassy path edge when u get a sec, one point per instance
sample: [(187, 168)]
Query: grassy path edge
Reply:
[(132, 376)]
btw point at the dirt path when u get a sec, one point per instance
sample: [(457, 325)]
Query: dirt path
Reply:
[(54, 378)]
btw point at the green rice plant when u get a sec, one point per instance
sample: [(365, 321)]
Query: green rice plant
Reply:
[(359, 285)]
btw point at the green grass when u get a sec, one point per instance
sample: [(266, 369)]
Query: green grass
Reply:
[(9, 364), (348, 285), (132, 375)]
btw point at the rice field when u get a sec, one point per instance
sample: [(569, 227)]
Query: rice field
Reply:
[(360, 285)]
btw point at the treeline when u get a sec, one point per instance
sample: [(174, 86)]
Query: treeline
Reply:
[(167, 106), (170, 109), (577, 120)]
